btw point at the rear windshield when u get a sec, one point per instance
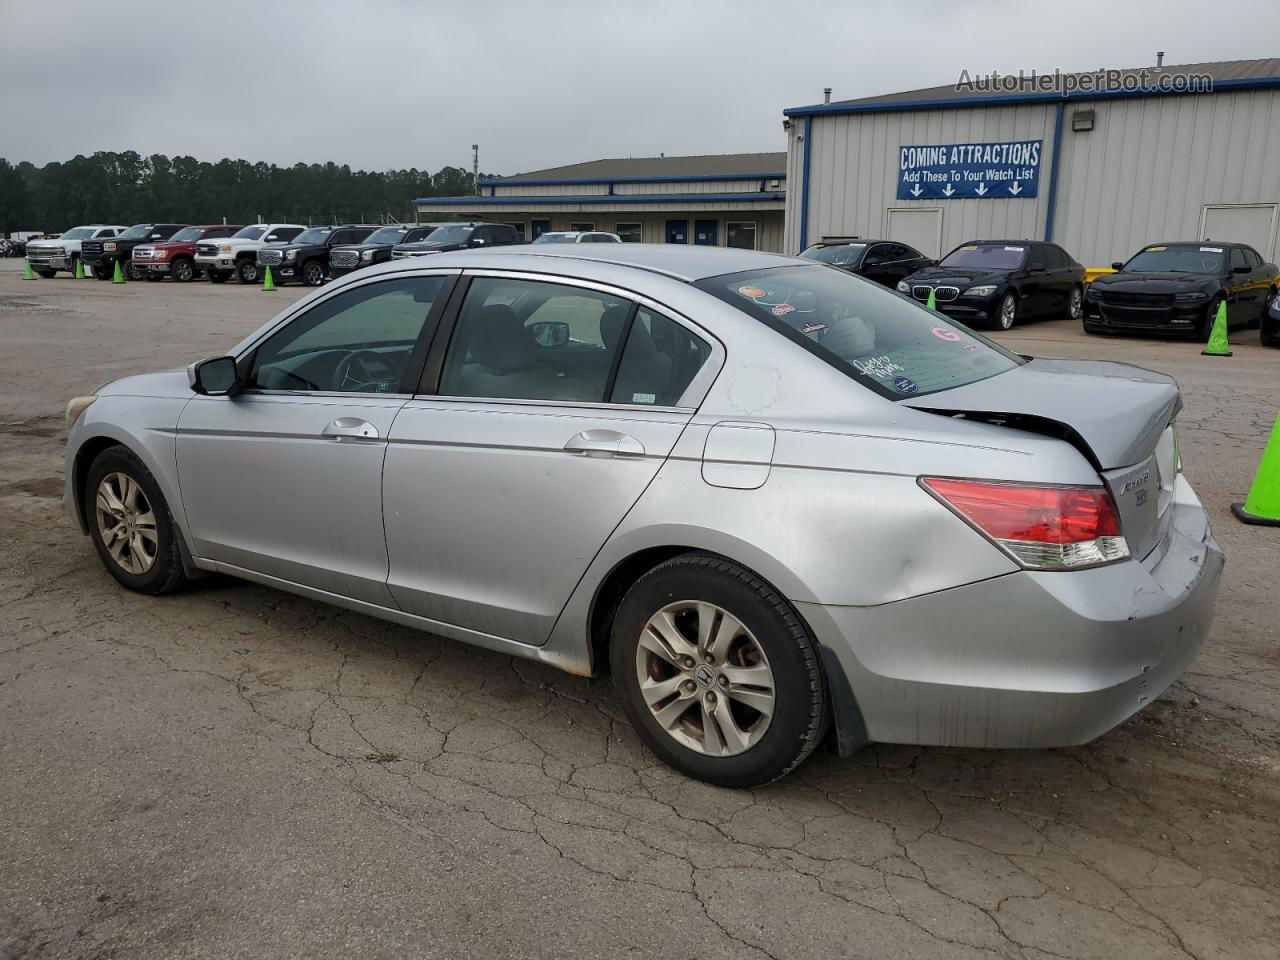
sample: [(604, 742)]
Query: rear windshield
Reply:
[(843, 254), (986, 256), (388, 235), (249, 233), (885, 341), (1183, 258)]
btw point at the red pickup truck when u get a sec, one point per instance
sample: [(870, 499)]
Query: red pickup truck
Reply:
[(177, 255)]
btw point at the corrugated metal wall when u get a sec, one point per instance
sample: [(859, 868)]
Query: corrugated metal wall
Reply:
[(1144, 173)]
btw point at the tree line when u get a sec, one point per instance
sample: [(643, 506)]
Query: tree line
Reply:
[(129, 188)]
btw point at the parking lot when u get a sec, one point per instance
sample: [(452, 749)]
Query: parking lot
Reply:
[(231, 771)]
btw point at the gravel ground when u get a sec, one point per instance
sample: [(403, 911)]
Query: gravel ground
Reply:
[(236, 772)]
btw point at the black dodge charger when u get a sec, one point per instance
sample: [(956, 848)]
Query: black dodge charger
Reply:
[(1177, 287)]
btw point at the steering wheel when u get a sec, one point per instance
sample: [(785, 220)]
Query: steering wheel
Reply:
[(365, 371)]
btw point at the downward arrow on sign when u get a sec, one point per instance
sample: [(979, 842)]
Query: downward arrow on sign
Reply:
[(1015, 189), (981, 190), (948, 190), (915, 191)]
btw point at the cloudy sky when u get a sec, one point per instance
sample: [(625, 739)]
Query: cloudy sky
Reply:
[(401, 83)]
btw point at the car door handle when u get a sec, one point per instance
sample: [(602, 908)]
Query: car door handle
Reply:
[(350, 428), (604, 443)]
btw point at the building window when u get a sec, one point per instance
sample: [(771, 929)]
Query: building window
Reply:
[(518, 227), (742, 234), (630, 232), (581, 227)]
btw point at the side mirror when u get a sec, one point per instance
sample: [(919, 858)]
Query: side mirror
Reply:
[(214, 377), (1117, 265), (551, 333), (1241, 269), (477, 242), (156, 236), (271, 239)]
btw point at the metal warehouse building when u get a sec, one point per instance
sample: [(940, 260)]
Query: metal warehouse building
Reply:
[(1099, 172), (731, 200)]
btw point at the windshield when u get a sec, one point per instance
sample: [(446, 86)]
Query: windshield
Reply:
[(314, 235), (841, 254), (387, 235), (187, 234), (141, 231), (557, 238), (985, 256), (1185, 258), (884, 341), (79, 233), (449, 234), (249, 233)]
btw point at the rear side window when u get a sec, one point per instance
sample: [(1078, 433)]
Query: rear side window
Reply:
[(659, 362), (892, 345)]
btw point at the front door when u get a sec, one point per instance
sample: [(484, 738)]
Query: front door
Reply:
[(539, 227), (501, 487), (704, 232), (677, 231), (285, 478)]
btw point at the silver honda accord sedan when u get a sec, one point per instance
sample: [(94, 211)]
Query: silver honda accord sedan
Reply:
[(772, 499)]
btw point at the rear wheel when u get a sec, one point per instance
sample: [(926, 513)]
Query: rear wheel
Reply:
[(313, 273), (717, 672), (130, 523), (183, 270), (247, 271)]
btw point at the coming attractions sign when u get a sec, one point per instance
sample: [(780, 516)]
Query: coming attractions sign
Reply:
[(951, 171)]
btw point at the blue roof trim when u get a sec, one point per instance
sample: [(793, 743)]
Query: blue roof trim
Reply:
[(896, 106), (528, 182), (599, 198)]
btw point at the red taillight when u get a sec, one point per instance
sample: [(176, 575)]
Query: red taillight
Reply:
[(1043, 527)]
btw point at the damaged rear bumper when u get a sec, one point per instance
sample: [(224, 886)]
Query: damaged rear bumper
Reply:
[(1029, 659)]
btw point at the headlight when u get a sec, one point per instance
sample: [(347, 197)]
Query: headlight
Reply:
[(367, 255), (108, 247), (904, 287), (986, 290), (75, 407), (224, 248), (1198, 297), (1093, 292), (291, 254), (159, 254)]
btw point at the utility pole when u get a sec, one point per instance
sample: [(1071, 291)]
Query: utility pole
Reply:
[(475, 168)]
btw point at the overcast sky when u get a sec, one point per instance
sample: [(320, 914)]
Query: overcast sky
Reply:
[(537, 83)]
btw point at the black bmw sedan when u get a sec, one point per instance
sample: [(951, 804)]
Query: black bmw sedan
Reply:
[(996, 283), (1177, 287)]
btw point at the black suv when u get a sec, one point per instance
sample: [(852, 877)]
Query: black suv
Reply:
[(376, 249), (996, 283), (101, 256), (460, 236), (1177, 287), (884, 261), (306, 260)]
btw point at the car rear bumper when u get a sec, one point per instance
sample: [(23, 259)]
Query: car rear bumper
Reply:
[(1030, 659)]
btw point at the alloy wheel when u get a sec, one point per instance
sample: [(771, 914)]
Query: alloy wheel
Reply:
[(1008, 311), (705, 678), (126, 523), (1074, 305), (314, 274), (183, 271)]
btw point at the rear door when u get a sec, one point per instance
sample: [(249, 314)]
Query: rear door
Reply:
[(547, 408), (1037, 285)]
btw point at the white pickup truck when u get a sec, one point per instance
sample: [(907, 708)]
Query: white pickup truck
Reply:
[(47, 257), (238, 253)]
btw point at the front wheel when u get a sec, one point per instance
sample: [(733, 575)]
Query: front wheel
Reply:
[(182, 271), (218, 276), (313, 273), (1007, 315), (1075, 304), (247, 271), (131, 272), (130, 523), (44, 272), (717, 672), (101, 271)]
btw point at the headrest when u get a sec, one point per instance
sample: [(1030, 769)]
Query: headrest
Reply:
[(498, 339)]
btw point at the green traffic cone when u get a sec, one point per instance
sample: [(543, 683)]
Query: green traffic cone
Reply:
[(1262, 506), (117, 277), (267, 282), (932, 302), (79, 274), (27, 272), (1218, 345)]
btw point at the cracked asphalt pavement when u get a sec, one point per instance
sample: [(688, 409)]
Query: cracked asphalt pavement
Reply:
[(236, 772)]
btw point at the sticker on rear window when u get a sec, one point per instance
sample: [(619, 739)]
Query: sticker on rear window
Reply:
[(903, 385), (968, 248), (644, 397), (1016, 249), (782, 309), (881, 367), (945, 333), (1210, 249), (812, 327), (752, 292), (1155, 249)]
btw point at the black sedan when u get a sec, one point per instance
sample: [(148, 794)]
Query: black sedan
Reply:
[(884, 261), (1177, 287), (996, 283)]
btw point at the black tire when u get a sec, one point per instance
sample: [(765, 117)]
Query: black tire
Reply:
[(1256, 322), (131, 272), (182, 270), (312, 273), (1075, 304), (247, 271), (800, 710), (165, 573), (101, 271), (218, 276), (44, 272), (1205, 324), (1007, 313)]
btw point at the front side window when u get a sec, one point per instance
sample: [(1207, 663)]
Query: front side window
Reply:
[(630, 232), (1179, 258), (359, 341), (892, 345), (1237, 258), (986, 256)]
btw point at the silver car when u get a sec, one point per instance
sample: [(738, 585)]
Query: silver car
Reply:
[(773, 499)]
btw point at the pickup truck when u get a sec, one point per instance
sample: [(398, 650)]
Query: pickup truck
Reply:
[(177, 255), (376, 249), (459, 236), (47, 257), (101, 256), (238, 254), (306, 259)]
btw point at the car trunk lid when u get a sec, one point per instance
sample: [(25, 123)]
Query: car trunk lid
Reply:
[(1119, 416)]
